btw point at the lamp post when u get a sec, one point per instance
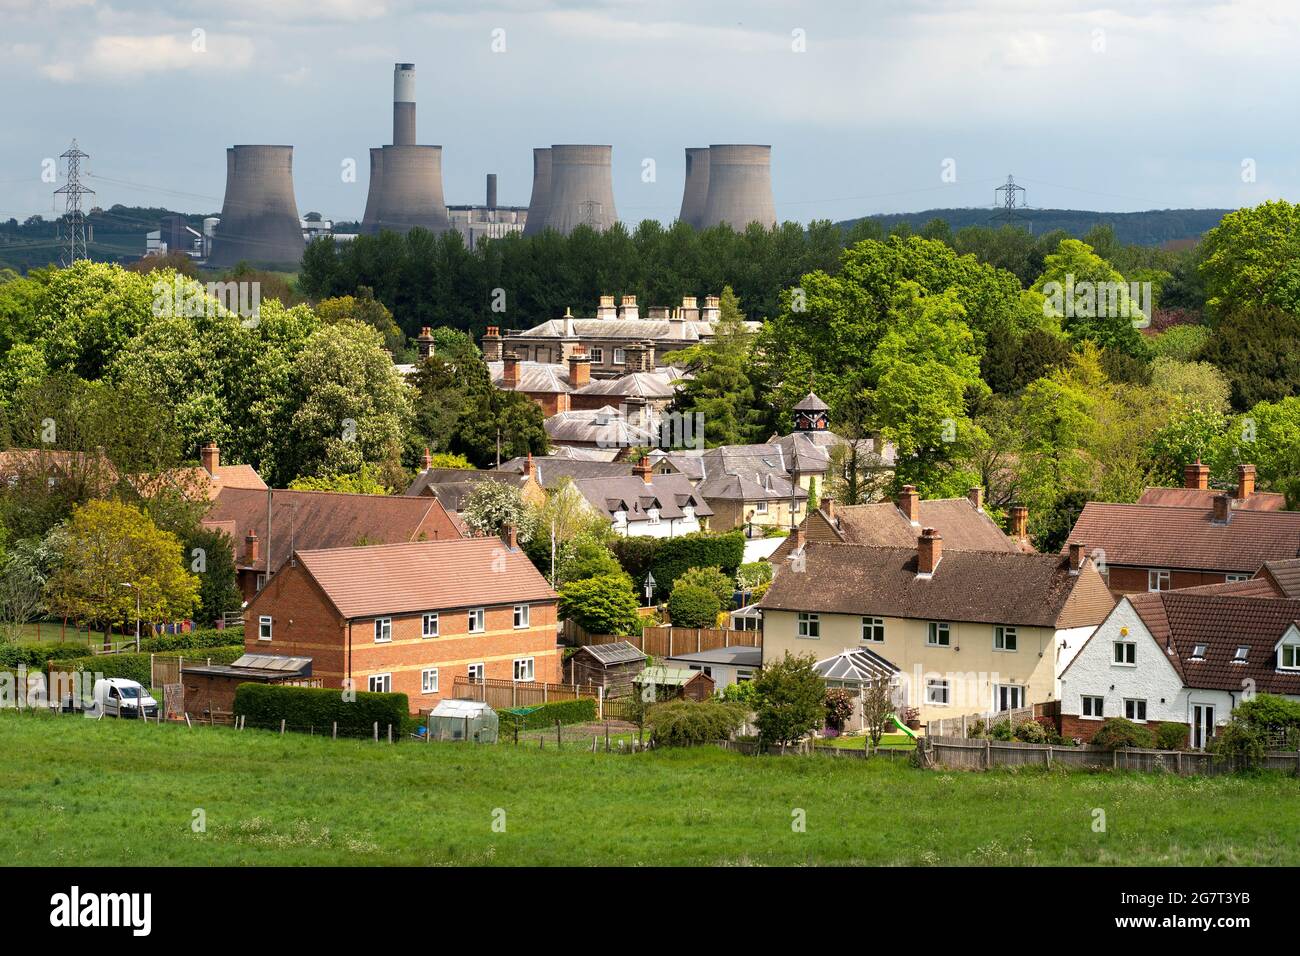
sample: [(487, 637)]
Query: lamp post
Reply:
[(128, 584)]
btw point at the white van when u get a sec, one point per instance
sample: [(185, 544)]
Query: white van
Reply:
[(119, 697)]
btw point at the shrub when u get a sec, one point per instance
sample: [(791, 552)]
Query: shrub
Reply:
[(1031, 732), (265, 705), (580, 711), (1268, 712), (741, 692), (1171, 736), (711, 579), (693, 606), (601, 605), (1240, 744), (669, 558), (136, 666), (1001, 730), (839, 707), (1116, 732), (754, 574), (977, 730), (681, 723), (791, 699)]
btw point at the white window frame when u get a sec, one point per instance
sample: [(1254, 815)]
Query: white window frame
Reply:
[(1156, 577), (1017, 690), (429, 680), (530, 670), (521, 616), (933, 631), (1238, 657), (265, 627), (1132, 705), (938, 691), (688, 512), (1198, 652), (477, 616), (870, 625), (1235, 578), (1092, 702), (425, 621), (385, 682), (383, 630), (261, 581), (1128, 658), (1000, 634), (808, 626), (760, 507), (482, 672), (597, 355), (652, 515), (620, 356), (1295, 657)]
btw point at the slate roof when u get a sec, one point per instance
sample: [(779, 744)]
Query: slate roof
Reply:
[(669, 493), (1222, 623), (1160, 536), (1204, 498), (811, 403), (735, 656), (604, 427), (549, 471), (650, 385), (452, 485), (540, 377), (994, 587), (424, 576)]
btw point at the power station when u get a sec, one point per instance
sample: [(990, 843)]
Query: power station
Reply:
[(581, 189), (405, 178), (537, 202), (259, 216), (740, 187), (697, 185)]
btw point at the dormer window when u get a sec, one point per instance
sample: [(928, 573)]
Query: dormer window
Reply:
[(1288, 657), (620, 517), (653, 515), (688, 512), (1240, 656)]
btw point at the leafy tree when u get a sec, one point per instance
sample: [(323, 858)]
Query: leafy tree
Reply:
[(877, 708), (108, 544), (218, 588), (791, 700), (367, 480), (1183, 343), (364, 309), (691, 605), (712, 580), (21, 596), (685, 723), (1258, 349), (492, 506), (1091, 299), (601, 605), (1252, 260)]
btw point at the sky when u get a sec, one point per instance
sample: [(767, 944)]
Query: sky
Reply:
[(870, 107)]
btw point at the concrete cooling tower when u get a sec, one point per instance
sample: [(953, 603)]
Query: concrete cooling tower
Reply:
[(259, 216), (537, 202), (581, 190), (405, 179), (740, 187), (697, 185)]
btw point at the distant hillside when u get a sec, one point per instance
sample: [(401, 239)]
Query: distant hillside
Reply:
[(118, 235), (1151, 228)]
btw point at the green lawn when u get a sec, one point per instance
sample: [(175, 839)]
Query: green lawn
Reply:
[(109, 792), (887, 741)]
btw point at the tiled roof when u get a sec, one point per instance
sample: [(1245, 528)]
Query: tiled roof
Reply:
[(1276, 579), (323, 519), (811, 403), (424, 576), (1159, 536), (549, 471), (540, 377), (239, 476), (1203, 498), (451, 485), (1222, 624), (633, 384), (669, 493), (636, 329), (995, 587), (603, 427)]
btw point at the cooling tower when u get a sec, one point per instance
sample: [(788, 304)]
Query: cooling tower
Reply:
[(536, 220), (259, 216), (582, 189), (405, 179), (740, 187), (697, 185)]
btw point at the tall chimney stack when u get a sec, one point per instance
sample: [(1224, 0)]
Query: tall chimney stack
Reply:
[(510, 370), (909, 502), (1245, 481), (1222, 508), (251, 549), (1076, 556), (492, 344), (976, 497), (424, 342), (1196, 476), (1019, 522), (210, 455), (579, 369), (403, 104), (929, 551), (642, 469), (492, 190)]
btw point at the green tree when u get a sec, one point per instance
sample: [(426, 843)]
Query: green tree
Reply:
[(367, 480), (601, 605), (364, 309), (1091, 299), (1252, 260), (691, 605), (493, 506), (210, 553), (791, 700)]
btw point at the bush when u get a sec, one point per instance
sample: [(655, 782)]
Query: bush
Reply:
[(1116, 732), (693, 606), (681, 723), (1171, 736), (977, 730), (791, 699), (1001, 730), (265, 705), (136, 666), (1269, 712), (580, 711), (711, 579), (1239, 744), (601, 605), (1031, 732), (839, 707), (34, 656)]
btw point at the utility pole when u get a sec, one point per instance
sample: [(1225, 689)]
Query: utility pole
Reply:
[(74, 220)]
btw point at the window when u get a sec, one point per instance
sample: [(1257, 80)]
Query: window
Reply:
[(744, 676), (264, 628), (1005, 639), (597, 356), (1198, 652), (873, 629), (937, 691), (940, 634), (1289, 657), (1135, 710), (810, 626), (261, 581), (1157, 580), (524, 669), (620, 356), (475, 672), (1240, 656), (521, 615), (1125, 652), (1008, 697), (381, 683), (688, 513), (429, 680), (476, 620), (1092, 708), (760, 507), (1234, 578), (429, 626), (383, 630), (653, 515), (620, 517)]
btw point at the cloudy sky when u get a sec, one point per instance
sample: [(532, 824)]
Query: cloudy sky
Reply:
[(1115, 106)]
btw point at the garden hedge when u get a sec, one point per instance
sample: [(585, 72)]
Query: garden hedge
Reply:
[(265, 705), (136, 666), (667, 558), (692, 606), (34, 656), (580, 711)]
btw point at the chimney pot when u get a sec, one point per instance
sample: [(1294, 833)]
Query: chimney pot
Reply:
[(492, 344), (579, 368), (1222, 508), (909, 502), (1076, 556), (510, 536), (827, 508), (929, 551), (643, 470), (1245, 480), (1196, 476), (426, 459), (425, 342), (210, 455), (976, 497), (1019, 522)]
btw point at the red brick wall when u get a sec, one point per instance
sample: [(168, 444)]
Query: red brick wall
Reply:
[(305, 624), (1071, 725), (1128, 580)]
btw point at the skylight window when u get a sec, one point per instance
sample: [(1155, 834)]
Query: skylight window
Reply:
[(1240, 656), (1198, 652)]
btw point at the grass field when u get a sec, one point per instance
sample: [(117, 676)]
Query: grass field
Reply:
[(80, 792)]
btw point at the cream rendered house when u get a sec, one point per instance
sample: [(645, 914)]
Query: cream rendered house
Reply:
[(971, 632)]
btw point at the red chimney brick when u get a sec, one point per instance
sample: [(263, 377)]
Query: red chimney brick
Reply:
[(642, 469), (1076, 556), (252, 552), (210, 455), (827, 507), (510, 370), (1019, 522), (1196, 476), (579, 370), (909, 502), (528, 466), (929, 551), (1245, 481), (976, 497), (426, 460), (1222, 508), (510, 536)]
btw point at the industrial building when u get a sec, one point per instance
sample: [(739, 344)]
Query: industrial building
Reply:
[(737, 184), (573, 185), (405, 178), (488, 221), (259, 215)]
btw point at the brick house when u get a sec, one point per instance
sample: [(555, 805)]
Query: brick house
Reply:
[(968, 632), (451, 486), (1183, 657), (410, 618), (647, 505), (1164, 547), (1197, 493), (312, 520)]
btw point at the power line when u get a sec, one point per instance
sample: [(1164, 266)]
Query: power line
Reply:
[(74, 220), (1007, 199)]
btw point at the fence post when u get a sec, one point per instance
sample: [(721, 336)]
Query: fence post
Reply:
[(600, 702), (1049, 755), (390, 730), (988, 753), (281, 725), (559, 738), (334, 733), (963, 726), (699, 639), (376, 731)]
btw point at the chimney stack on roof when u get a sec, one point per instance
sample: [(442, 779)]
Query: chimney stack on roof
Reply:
[(1245, 481), (827, 507), (1019, 522), (1196, 476), (510, 370), (210, 455), (492, 344), (643, 470), (976, 497), (426, 460), (1076, 556), (929, 551), (628, 310), (909, 502), (510, 537), (606, 309), (579, 368), (1222, 508), (528, 466), (800, 538), (251, 550), (425, 342)]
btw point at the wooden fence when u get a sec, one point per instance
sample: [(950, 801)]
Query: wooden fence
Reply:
[(670, 641), (501, 694), (960, 753)]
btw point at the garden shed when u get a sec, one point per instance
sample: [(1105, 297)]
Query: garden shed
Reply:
[(612, 666), (675, 682), (471, 720)]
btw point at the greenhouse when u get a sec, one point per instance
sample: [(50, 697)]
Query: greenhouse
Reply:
[(463, 720)]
